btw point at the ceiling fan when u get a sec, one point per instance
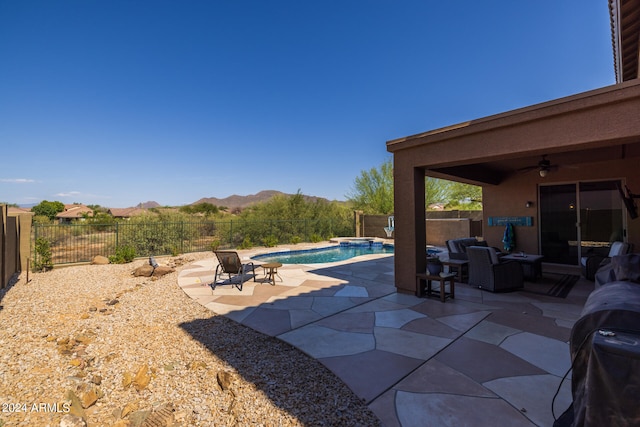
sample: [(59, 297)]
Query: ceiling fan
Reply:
[(544, 166)]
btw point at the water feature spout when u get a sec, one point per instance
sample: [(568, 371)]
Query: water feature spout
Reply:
[(390, 226)]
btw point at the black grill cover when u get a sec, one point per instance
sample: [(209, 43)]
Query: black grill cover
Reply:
[(605, 347)]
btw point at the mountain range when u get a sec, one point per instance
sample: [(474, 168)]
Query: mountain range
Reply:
[(232, 202), (235, 201)]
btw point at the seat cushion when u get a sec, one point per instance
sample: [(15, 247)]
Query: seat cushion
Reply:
[(618, 248), (493, 256)]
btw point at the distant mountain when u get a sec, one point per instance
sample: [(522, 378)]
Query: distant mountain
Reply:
[(148, 205), (235, 201)]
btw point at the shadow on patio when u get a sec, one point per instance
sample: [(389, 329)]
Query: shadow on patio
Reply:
[(482, 358)]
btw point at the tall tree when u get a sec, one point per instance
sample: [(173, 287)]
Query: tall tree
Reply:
[(48, 209), (373, 190)]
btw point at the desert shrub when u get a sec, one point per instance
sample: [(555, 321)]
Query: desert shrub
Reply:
[(215, 245), (296, 239), (315, 238), (246, 243), (44, 260), (123, 255), (270, 241)]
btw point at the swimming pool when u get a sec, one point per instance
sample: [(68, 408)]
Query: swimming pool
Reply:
[(326, 254)]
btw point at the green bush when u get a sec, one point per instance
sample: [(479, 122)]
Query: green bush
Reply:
[(43, 261), (296, 239), (315, 238), (246, 243), (270, 241), (123, 255)]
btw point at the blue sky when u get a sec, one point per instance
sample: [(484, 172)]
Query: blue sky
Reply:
[(120, 102)]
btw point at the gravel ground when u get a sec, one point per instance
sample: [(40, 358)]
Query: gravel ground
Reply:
[(94, 345)]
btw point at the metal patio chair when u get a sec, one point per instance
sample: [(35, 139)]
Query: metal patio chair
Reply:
[(229, 263)]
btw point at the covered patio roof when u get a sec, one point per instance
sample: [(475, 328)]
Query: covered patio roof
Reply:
[(594, 126), (625, 36)]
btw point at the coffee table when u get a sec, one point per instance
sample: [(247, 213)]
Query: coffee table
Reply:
[(531, 264)]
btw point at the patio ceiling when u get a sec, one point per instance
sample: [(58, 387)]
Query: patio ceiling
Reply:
[(493, 172)]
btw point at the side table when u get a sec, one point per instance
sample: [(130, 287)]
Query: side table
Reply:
[(441, 278), (461, 266), (271, 271)]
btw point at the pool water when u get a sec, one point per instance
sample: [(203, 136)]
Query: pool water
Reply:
[(320, 255)]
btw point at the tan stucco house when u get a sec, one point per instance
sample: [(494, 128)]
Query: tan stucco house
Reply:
[(553, 169)]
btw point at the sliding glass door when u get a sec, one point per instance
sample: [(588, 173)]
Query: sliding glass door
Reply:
[(579, 218)]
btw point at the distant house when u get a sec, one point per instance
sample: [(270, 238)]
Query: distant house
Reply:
[(74, 212), (125, 213)]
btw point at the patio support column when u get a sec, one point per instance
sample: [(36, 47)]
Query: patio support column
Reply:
[(410, 238)]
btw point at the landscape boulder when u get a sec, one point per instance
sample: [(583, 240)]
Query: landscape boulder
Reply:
[(148, 271), (100, 260)]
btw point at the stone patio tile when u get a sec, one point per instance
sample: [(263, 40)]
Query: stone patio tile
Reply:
[(233, 312), (535, 395), (379, 290), (546, 353), (352, 291), (376, 306), (491, 333), (370, 374), (538, 325), (404, 299), (280, 302), (245, 300), (327, 306), (464, 322), (445, 410), (266, 291), (184, 281), (268, 321), (228, 289), (484, 362), (384, 407), (319, 341), (565, 311), (411, 344), (350, 322), (300, 318), (436, 377), (428, 326), (519, 307), (397, 318), (197, 290), (301, 291), (204, 299), (321, 284), (434, 308)]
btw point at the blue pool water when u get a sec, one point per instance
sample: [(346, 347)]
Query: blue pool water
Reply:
[(331, 254)]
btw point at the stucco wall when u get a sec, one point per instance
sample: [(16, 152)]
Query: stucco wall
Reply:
[(509, 199), (440, 225)]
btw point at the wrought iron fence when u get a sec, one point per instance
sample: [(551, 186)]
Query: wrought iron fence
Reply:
[(79, 242)]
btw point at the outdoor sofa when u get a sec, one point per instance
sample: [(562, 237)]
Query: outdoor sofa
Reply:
[(458, 247), (488, 271)]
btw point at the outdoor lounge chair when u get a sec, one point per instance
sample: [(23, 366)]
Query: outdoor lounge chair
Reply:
[(229, 263), (592, 262), (488, 271)]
